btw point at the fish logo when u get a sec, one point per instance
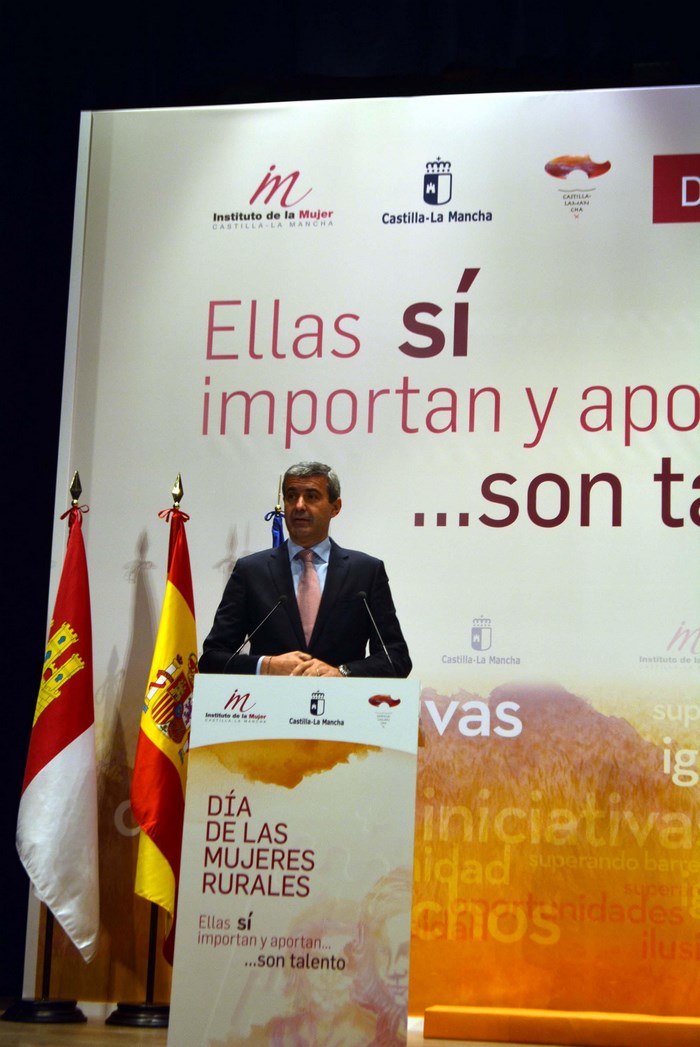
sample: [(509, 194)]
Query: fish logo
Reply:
[(384, 699), (563, 166), (384, 705)]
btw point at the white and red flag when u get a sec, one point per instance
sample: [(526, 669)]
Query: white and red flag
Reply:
[(57, 822)]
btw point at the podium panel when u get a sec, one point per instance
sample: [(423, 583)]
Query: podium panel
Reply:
[(293, 921)]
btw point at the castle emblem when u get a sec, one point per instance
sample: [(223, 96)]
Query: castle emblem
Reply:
[(481, 634), (437, 182), (54, 675), (317, 705)]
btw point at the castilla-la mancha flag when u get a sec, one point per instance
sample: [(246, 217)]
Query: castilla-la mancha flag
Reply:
[(57, 822), (160, 767)]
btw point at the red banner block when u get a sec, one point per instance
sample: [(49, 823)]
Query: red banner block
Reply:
[(676, 193)]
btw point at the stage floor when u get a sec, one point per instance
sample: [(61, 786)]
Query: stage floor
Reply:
[(94, 1033)]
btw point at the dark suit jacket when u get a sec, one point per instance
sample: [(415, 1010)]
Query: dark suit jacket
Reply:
[(343, 627)]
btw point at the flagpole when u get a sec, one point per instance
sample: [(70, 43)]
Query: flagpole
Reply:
[(149, 1014), (44, 1010), (146, 1015), (48, 948), (151, 968)]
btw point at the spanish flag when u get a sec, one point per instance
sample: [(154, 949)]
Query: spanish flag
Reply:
[(57, 821), (160, 767)]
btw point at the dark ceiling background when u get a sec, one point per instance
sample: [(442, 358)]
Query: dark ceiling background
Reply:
[(56, 62)]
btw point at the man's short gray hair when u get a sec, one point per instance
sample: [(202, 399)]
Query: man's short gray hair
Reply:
[(303, 470)]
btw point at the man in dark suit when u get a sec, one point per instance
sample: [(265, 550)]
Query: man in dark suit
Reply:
[(353, 588)]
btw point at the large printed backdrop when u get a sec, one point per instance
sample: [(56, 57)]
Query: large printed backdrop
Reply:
[(483, 311)]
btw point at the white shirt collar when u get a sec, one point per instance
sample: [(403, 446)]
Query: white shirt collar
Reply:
[(322, 550)]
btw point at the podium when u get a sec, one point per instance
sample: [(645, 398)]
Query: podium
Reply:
[(293, 920)]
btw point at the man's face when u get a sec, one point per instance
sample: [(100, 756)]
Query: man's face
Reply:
[(392, 958), (307, 510)]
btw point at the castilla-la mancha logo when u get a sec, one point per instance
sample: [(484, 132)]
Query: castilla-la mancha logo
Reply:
[(317, 703), (437, 182), (481, 634)]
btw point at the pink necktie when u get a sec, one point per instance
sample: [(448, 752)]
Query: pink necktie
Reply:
[(308, 593)]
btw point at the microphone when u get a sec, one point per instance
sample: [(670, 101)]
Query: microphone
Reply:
[(282, 599), (363, 596)]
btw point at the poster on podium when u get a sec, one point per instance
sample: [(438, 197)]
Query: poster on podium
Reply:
[(294, 913)]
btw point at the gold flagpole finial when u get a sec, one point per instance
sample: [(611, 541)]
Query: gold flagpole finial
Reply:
[(279, 495), (76, 488), (177, 492)]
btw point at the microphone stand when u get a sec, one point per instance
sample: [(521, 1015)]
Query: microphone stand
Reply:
[(282, 599), (363, 597)]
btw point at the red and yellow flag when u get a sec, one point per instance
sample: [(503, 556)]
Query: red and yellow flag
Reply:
[(57, 821), (160, 767)]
